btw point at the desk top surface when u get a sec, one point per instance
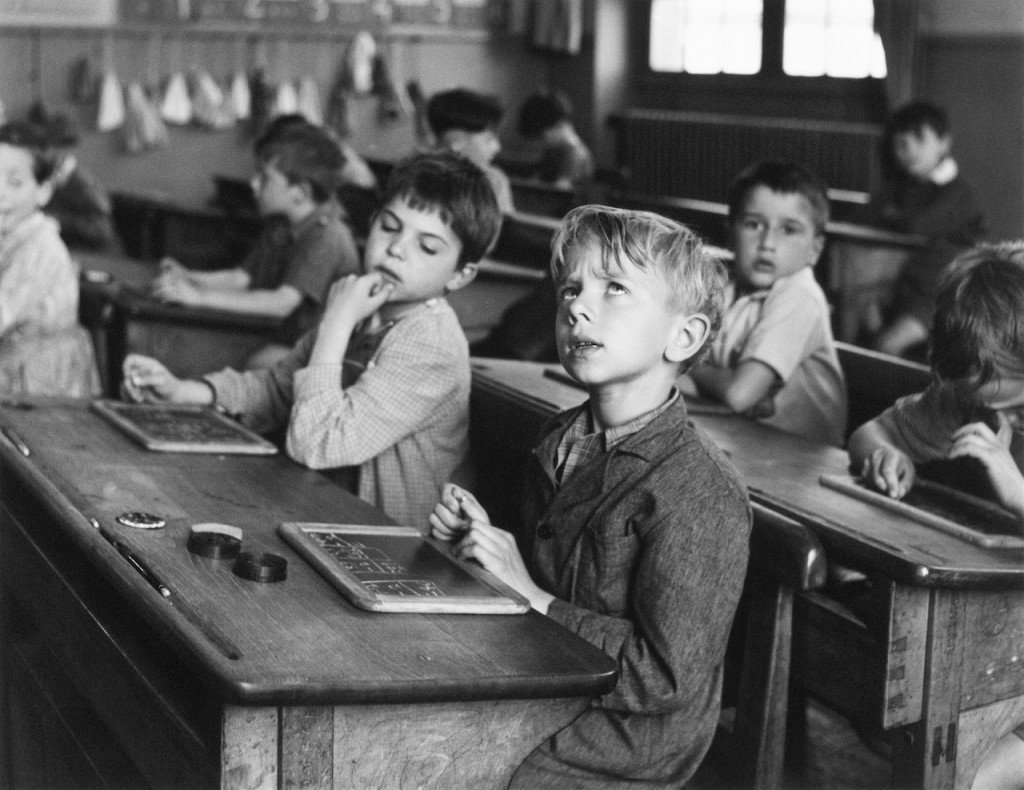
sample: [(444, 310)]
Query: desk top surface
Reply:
[(298, 641), (129, 290), (782, 472)]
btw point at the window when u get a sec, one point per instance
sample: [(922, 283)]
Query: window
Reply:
[(706, 36), (831, 38)]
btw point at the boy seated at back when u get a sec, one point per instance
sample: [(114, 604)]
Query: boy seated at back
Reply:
[(303, 248), (378, 392), (774, 358), (565, 161), (466, 122), (638, 524), (973, 409), (923, 192)]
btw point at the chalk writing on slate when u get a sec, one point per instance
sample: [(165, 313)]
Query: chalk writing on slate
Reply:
[(398, 569)]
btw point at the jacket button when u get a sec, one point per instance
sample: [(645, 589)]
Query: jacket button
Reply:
[(544, 532)]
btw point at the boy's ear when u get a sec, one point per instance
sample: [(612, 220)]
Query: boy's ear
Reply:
[(303, 191), (689, 332), (817, 245), (44, 193), (462, 277)]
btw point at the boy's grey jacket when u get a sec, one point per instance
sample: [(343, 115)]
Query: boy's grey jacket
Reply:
[(646, 551)]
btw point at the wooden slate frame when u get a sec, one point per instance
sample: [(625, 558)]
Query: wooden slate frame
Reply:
[(852, 486), (196, 423), (484, 594)]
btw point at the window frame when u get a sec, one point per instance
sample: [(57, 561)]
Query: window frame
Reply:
[(804, 94)]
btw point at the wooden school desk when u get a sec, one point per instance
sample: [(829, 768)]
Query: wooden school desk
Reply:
[(190, 341), (941, 666), (861, 265), (233, 683)]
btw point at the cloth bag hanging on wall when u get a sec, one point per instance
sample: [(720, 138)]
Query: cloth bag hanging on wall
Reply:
[(144, 129), (209, 108), (390, 107), (239, 96), (83, 82), (309, 101), (176, 107), (286, 100), (110, 113), (360, 59), (261, 97)]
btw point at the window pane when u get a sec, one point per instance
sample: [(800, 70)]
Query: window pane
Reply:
[(831, 37), (706, 36)]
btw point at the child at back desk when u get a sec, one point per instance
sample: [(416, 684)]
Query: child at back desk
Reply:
[(638, 524), (378, 393), (466, 122), (43, 349), (974, 409), (923, 193), (774, 358), (565, 159), (304, 246)]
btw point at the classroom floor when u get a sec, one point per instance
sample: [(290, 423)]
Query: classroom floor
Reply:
[(837, 759)]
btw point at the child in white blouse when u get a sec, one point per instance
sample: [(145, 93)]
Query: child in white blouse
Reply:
[(43, 349)]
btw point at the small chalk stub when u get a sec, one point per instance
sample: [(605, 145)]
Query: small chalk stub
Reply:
[(257, 567), (215, 544), (141, 520)]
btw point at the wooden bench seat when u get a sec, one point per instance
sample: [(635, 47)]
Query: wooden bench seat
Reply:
[(786, 559), (875, 380)]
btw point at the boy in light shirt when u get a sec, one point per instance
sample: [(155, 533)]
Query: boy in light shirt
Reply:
[(774, 359)]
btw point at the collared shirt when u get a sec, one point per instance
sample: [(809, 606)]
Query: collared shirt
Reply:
[(404, 422), (787, 327), (581, 444), (309, 257)]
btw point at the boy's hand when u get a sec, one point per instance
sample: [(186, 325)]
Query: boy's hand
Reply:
[(890, 471), (992, 449), (176, 289), (355, 297), (147, 381), (171, 269), (452, 515), (459, 516), (351, 299)]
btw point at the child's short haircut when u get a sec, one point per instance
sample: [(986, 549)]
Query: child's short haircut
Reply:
[(542, 111), (458, 190), (978, 327), (784, 177), (464, 110), (34, 139), (696, 279), (274, 129), (305, 154), (914, 117)]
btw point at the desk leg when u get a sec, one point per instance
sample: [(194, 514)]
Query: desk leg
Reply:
[(446, 746), (924, 754)]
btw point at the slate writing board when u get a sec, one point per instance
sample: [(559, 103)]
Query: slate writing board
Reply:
[(935, 505), (181, 428), (398, 569)]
